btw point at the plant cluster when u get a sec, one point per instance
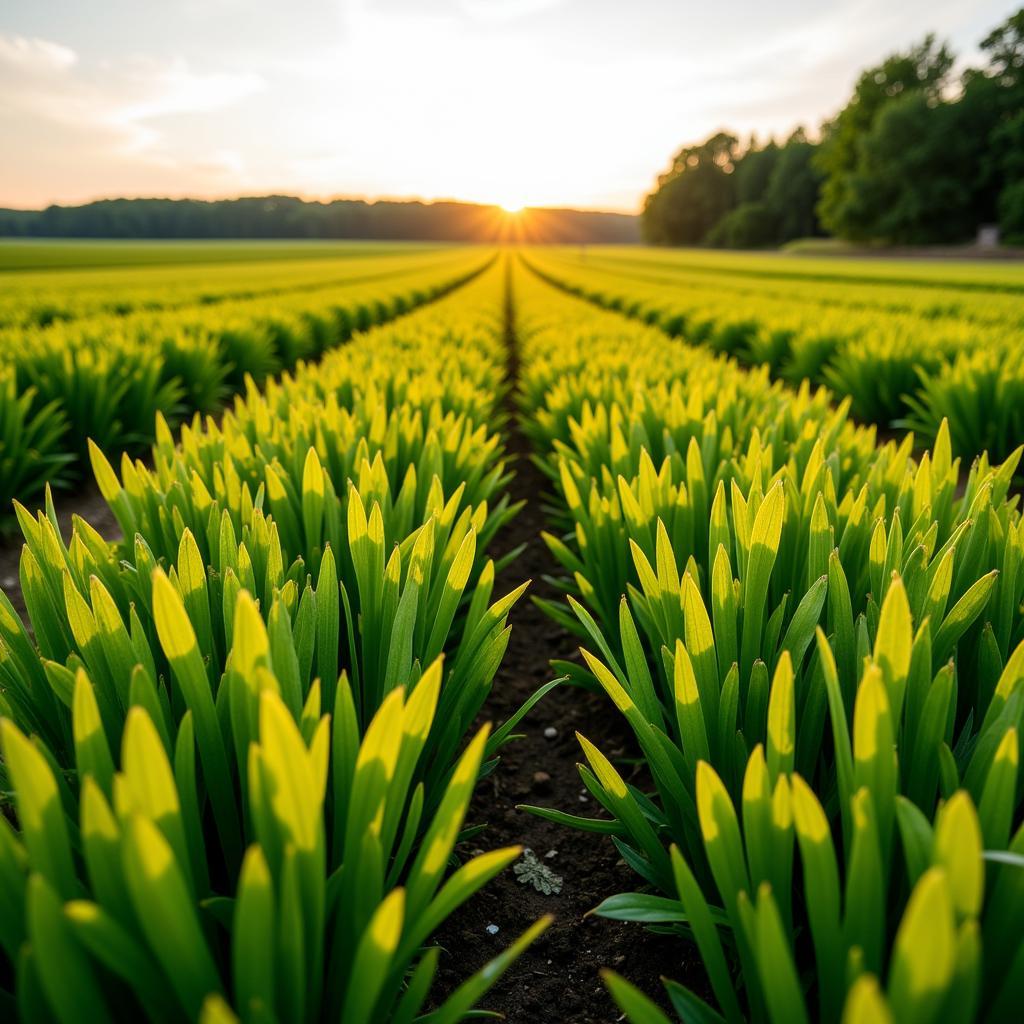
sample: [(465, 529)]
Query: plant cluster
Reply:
[(905, 355), (818, 643), (240, 745), (150, 277), (106, 376), (237, 748)]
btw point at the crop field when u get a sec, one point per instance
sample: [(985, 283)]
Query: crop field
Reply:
[(27, 254), (96, 354), (909, 344), (574, 634)]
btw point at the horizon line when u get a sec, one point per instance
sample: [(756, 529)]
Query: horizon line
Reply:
[(370, 200)]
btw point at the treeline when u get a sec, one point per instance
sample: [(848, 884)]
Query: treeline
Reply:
[(916, 157), (289, 217)]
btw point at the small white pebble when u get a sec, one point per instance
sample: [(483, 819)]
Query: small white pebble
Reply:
[(550, 732), (492, 929), (584, 799), (550, 854)]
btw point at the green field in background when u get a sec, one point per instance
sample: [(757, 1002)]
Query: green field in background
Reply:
[(995, 274), (60, 253)]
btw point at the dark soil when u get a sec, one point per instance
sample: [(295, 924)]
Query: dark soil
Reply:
[(88, 503), (557, 979)]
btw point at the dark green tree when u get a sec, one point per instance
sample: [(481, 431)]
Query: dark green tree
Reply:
[(923, 69), (752, 225), (715, 195), (910, 160), (1009, 141), (912, 185), (1005, 48), (997, 97), (693, 195), (289, 217), (794, 188), (754, 170)]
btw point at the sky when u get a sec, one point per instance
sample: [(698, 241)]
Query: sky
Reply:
[(517, 102)]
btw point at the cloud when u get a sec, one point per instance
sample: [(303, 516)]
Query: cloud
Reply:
[(558, 101), (164, 89), (122, 98), (35, 56), (90, 127)]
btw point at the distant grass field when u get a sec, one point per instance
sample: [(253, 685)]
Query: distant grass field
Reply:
[(999, 275), (60, 253)]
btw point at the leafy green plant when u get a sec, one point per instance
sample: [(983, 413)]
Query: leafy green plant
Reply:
[(373, 580), (237, 741), (885, 343), (818, 646), (981, 393), (32, 442), (930, 962), (111, 372), (332, 877)]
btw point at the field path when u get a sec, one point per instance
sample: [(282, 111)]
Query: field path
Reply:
[(557, 979)]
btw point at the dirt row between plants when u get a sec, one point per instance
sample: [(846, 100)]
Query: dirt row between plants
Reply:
[(557, 980)]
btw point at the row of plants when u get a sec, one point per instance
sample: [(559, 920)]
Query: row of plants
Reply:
[(818, 643), (40, 298), (239, 746), (982, 293), (105, 379), (913, 363)]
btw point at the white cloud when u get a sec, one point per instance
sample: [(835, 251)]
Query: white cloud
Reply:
[(136, 124), (35, 56), (115, 98), (177, 89)]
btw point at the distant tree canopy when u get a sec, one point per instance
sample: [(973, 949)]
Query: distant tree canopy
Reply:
[(289, 217), (694, 194), (718, 194), (920, 73), (913, 158)]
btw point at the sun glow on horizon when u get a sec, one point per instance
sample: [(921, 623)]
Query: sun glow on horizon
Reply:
[(509, 198)]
